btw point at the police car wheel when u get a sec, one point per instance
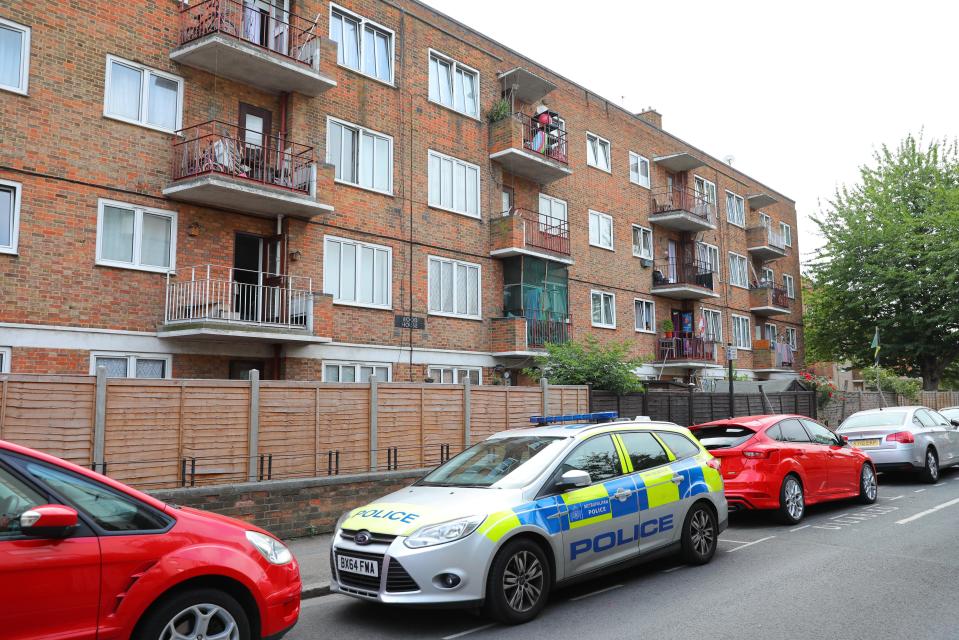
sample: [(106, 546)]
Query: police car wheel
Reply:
[(792, 502), (519, 582), (700, 535)]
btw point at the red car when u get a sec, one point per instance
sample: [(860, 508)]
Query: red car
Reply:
[(85, 557), (785, 462)]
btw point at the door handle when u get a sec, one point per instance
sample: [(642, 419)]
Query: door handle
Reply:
[(622, 494), (558, 514), (677, 478)]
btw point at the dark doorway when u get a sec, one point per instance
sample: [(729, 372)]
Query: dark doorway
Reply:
[(256, 128), (240, 369)]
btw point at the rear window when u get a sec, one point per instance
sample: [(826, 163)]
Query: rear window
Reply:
[(878, 419), (723, 436), (679, 445)]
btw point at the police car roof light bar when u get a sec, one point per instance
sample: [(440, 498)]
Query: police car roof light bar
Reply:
[(596, 416)]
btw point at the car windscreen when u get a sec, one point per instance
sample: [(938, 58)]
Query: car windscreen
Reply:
[(878, 419), (504, 463), (950, 414), (722, 436)]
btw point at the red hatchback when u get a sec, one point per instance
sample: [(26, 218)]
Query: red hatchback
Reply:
[(85, 557), (785, 462)]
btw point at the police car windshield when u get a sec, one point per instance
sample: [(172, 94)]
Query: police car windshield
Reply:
[(502, 463)]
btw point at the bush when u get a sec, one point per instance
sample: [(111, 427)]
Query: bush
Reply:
[(500, 110), (824, 388), (606, 367), (890, 382)]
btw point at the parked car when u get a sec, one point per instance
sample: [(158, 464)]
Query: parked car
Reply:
[(905, 439), (785, 462), (84, 556), (503, 522), (952, 414)]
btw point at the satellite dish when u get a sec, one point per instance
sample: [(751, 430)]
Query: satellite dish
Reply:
[(729, 160)]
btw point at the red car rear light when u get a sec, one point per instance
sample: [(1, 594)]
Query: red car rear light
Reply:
[(905, 437), (713, 463), (756, 453)]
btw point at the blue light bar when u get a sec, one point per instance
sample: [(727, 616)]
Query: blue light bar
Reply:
[(596, 416)]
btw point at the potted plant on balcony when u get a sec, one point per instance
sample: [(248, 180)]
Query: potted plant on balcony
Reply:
[(668, 328), (499, 110)]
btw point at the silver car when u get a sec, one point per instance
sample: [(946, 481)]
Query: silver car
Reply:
[(904, 439)]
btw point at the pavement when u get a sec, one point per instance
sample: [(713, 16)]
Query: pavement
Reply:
[(313, 554), (889, 570)]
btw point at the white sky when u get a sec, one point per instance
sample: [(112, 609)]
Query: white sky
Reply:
[(800, 94)]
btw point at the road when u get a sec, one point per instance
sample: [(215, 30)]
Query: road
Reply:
[(890, 570)]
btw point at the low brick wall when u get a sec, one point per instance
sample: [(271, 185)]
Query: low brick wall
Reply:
[(292, 508)]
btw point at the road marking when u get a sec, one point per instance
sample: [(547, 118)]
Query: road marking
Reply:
[(799, 528), (671, 569), (734, 541), (922, 514), (938, 484), (749, 544), (595, 593), (918, 490), (895, 498), (469, 631)]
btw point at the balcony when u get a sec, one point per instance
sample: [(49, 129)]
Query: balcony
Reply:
[(681, 209), (772, 357), (524, 232), (683, 279), (273, 49), (765, 243), (216, 165), (529, 149), (688, 351), (209, 300), (768, 300), (518, 335)]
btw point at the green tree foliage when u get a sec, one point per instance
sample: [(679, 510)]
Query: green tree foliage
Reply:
[(605, 366), (880, 378), (891, 260)]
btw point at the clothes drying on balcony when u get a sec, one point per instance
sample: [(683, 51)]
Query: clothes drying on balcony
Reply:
[(784, 354)]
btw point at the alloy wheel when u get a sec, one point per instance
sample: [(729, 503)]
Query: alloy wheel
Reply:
[(202, 622), (523, 581), (869, 484), (701, 528), (932, 465), (794, 499)]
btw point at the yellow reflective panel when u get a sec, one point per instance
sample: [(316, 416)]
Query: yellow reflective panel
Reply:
[(660, 488), (392, 518), (499, 524)]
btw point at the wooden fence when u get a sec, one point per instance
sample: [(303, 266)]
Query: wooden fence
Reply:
[(165, 433)]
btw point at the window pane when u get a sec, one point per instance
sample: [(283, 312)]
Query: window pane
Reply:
[(347, 373), (124, 91), (365, 276), (591, 150), (643, 450), (597, 308), (162, 101), (445, 83), (597, 456), (150, 368), (446, 286), (606, 232), (447, 183), (117, 241), (366, 161), (11, 43), (116, 367), (369, 52), (472, 184), (679, 445), (469, 93), (472, 290), (593, 228), (351, 44), (332, 373), (460, 290), (331, 270), (433, 172), (382, 374), (335, 148), (348, 170), (383, 165), (6, 217), (435, 286), (634, 167), (157, 236), (458, 93), (381, 283), (336, 35), (603, 155), (459, 187), (365, 373), (348, 273), (434, 80), (607, 309), (17, 498), (384, 61)]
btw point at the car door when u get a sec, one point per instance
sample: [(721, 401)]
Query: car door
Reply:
[(48, 587), (947, 439), (657, 486), (842, 470), (811, 457)]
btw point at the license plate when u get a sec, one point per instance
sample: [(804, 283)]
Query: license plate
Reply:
[(358, 565), (865, 443)]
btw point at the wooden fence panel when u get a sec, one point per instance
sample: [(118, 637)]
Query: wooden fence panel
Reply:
[(216, 424), (288, 429), (343, 415), (443, 421), (487, 412), (523, 402), (50, 414), (398, 410)]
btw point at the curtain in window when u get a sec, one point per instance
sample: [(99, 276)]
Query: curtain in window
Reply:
[(6, 217), (345, 32), (162, 102), (11, 47), (117, 241), (441, 82), (466, 97), (376, 54), (124, 96), (157, 236)]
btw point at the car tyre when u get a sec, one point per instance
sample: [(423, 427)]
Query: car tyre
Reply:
[(196, 614), (792, 500), (519, 582), (868, 485), (700, 535), (930, 471)]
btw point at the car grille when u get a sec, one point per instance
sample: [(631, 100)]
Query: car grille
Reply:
[(397, 578), (375, 538), (358, 581)]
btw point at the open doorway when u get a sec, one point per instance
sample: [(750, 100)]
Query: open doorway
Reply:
[(256, 269)]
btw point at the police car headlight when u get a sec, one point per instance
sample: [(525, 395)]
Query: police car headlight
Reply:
[(272, 549), (444, 532)]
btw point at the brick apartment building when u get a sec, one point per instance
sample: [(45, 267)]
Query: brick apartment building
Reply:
[(198, 189)]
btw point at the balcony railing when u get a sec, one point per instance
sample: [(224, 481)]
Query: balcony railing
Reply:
[(687, 347), (544, 327), (677, 271), (227, 295), (543, 231), (264, 25), (776, 296), (546, 139), (217, 147), (766, 235), (667, 200)]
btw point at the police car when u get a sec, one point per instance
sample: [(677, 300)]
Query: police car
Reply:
[(506, 520)]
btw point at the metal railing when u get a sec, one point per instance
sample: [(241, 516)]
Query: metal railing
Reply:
[(667, 200), (220, 147), (546, 139), (687, 346), (767, 235), (226, 294), (775, 295), (543, 231), (265, 25), (673, 271), (546, 327)]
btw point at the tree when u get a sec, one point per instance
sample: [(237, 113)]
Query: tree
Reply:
[(607, 367), (891, 260)]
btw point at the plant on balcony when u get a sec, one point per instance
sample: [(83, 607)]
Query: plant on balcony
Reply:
[(608, 367), (668, 328), (499, 110)]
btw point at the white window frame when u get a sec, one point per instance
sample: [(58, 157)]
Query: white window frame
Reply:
[(733, 272), (644, 301), (652, 248), (765, 220), (479, 289), (360, 130), (456, 161), (363, 22), (15, 218), (612, 229), (602, 325), (144, 94), (772, 276), (454, 65), (747, 335), (792, 337), (765, 336), (138, 212), (789, 284), (787, 233), (6, 353), (132, 362), (456, 370), (719, 323), (713, 251), (600, 140), (649, 173), (741, 223), (24, 57), (356, 366), (548, 218), (389, 270)]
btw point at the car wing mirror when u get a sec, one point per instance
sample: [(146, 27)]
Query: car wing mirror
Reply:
[(843, 440), (574, 479), (954, 423), (48, 521)]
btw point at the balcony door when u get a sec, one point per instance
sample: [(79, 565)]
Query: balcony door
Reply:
[(267, 24), (256, 278), (672, 258), (256, 127)]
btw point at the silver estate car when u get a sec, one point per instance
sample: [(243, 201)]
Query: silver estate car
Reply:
[(905, 439)]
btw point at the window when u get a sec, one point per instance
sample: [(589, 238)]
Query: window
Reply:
[(714, 324), (738, 270), (454, 85), (5, 359), (355, 371), (507, 200), (456, 375), (597, 457), (454, 288), (771, 332), (9, 215), (362, 157), (705, 193), (787, 233), (638, 170), (741, 338), (789, 285), (144, 96), (791, 337), (14, 56), (600, 230), (15, 498), (454, 185), (791, 431), (123, 365), (708, 256), (820, 434), (768, 277), (643, 450), (362, 45), (645, 316), (357, 273), (135, 237), (552, 211), (642, 242), (678, 444), (604, 309), (597, 152), (765, 221), (735, 209)]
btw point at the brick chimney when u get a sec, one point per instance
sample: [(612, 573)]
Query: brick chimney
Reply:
[(652, 116)]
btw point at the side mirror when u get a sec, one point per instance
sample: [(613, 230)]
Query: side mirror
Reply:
[(843, 440), (48, 521), (955, 423), (574, 479)]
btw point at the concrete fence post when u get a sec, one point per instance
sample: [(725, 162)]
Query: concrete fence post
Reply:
[(374, 395), (100, 419), (544, 391), (467, 412), (254, 434)]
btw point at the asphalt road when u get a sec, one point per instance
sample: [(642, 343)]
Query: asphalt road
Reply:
[(890, 570)]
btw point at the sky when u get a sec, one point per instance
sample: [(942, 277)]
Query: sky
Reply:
[(800, 94)]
